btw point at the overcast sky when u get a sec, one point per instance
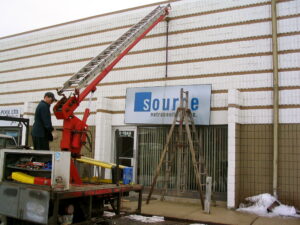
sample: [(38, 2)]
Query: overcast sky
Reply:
[(17, 16)]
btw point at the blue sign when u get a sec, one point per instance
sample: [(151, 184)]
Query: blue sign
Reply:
[(157, 105), (142, 102)]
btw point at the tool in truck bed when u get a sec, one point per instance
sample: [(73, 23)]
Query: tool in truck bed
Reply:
[(86, 79)]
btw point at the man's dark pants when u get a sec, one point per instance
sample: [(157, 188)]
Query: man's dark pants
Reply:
[(40, 143)]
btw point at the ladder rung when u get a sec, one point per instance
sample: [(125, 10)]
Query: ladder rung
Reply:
[(87, 69), (68, 89), (182, 145), (80, 74), (73, 80)]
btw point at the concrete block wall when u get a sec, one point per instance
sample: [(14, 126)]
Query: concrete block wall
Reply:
[(255, 172), (197, 32)]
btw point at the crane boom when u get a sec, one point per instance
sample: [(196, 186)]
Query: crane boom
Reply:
[(74, 130), (99, 63)]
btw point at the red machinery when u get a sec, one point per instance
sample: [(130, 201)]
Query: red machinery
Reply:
[(87, 78)]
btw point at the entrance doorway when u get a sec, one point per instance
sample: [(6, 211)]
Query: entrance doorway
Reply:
[(127, 147)]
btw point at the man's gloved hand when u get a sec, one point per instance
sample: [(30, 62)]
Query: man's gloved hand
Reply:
[(54, 134)]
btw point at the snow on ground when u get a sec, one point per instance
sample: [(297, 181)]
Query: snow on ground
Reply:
[(108, 214), (260, 203), (145, 219)]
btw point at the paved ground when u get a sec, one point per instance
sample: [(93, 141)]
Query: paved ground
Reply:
[(127, 221), (193, 214)]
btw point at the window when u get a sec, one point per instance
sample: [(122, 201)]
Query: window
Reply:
[(213, 140)]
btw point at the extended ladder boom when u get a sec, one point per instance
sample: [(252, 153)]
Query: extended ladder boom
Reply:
[(74, 129), (98, 64)]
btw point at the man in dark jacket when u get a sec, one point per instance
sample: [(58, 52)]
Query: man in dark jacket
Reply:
[(42, 126)]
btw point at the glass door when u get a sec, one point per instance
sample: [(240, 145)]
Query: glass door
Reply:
[(127, 147)]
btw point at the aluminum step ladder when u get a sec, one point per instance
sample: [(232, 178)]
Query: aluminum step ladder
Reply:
[(107, 56)]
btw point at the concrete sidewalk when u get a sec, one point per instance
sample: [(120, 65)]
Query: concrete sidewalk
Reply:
[(218, 215)]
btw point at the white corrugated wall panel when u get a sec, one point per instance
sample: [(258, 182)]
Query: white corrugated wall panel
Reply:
[(64, 44), (33, 84), (289, 60), (224, 33), (289, 42), (53, 58), (219, 100), (135, 74), (288, 8), (195, 6), (226, 17), (257, 98), (229, 82), (288, 25), (80, 34), (289, 97), (291, 78), (218, 83), (43, 71), (221, 66), (254, 116), (289, 115)]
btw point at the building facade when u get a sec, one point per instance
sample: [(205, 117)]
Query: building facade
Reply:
[(226, 44)]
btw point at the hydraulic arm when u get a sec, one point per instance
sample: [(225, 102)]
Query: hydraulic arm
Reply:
[(86, 79)]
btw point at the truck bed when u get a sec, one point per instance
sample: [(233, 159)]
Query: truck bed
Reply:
[(41, 204), (96, 190)]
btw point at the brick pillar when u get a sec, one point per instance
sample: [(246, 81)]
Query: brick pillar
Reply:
[(233, 148), (103, 123)]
